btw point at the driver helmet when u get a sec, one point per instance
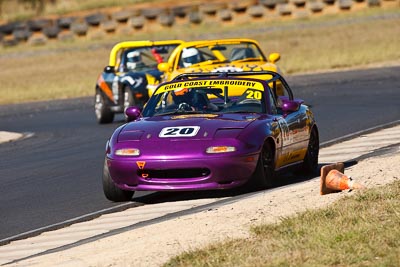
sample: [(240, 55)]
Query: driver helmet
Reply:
[(133, 58), (190, 56)]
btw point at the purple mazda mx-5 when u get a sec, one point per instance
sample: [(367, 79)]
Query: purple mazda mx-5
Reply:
[(211, 131)]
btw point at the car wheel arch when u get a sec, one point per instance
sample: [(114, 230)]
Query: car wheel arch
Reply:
[(101, 106), (270, 141), (315, 128), (260, 179), (101, 91), (310, 162)]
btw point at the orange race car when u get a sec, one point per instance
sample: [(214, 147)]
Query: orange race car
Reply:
[(130, 76)]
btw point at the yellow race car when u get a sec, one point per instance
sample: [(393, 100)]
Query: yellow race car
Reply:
[(222, 55)]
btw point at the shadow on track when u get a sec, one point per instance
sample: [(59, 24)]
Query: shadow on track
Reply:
[(282, 179)]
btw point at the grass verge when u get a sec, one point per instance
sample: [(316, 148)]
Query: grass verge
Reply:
[(65, 70), (362, 230)]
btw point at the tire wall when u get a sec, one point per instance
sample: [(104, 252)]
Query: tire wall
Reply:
[(130, 19)]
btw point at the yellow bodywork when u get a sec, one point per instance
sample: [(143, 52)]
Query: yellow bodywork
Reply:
[(219, 63), (118, 48)]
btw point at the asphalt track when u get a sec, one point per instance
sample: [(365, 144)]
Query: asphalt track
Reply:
[(55, 175)]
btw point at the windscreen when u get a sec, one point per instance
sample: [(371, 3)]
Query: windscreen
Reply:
[(145, 58), (207, 96), (219, 52)]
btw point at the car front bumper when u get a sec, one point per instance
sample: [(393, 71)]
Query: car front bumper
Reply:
[(221, 172)]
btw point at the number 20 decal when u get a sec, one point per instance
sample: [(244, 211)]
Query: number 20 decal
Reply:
[(253, 94), (179, 131)]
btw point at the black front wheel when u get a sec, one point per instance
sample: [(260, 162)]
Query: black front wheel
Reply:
[(310, 162), (111, 191), (263, 176)]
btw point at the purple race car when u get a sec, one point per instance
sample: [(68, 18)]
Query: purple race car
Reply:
[(211, 131)]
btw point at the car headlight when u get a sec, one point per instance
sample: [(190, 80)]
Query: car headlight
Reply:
[(127, 152), (220, 149)]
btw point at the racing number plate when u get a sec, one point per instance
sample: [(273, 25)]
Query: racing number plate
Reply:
[(179, 131)]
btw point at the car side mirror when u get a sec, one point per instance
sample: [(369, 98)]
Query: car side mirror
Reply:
[(289, 106), (163, 67), (109, 69), (274, 57), (133, 113)]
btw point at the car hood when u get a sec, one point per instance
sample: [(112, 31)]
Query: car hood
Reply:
[(207, 126)]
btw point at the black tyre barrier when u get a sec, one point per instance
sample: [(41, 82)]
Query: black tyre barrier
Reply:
[(225, 15), (109, 26), (16, 32), (256, 11), (137, 22), (95, 19), (51, 31), (240, 6), (39, 24), (122, 15), (195, 17), (374, 3), (211, 8), (166, 19), (37, 39), (65, 23), (345, 4), (66, 36), (316, 6), (299, 3), (20, 26), (151, 13), (329, 2), (181, 11), (9, 42), (79, 28), (282, 1), (8, 28), (268, 3), (21, 34), (284, 9)]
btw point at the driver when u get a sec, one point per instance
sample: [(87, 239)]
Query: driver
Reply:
[(183, 98), (190, 56), (192, 100), (134, 60)]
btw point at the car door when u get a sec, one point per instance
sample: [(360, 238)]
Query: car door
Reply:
[(280, 131), (293, 124)]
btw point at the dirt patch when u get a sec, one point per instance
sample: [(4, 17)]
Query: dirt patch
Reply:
[(154, 244)]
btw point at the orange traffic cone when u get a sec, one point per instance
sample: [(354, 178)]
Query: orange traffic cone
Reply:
[(333, 180)]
